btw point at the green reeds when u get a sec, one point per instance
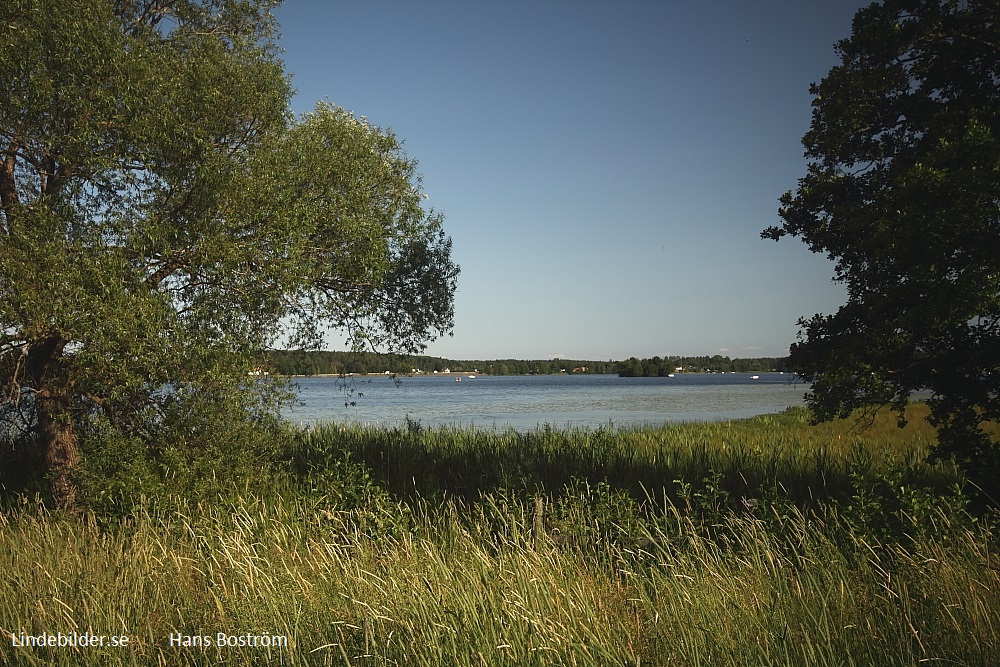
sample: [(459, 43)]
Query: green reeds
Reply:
[(746, 457)]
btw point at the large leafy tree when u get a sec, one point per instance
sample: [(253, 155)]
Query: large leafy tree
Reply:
[(163, 219), (903, 192)]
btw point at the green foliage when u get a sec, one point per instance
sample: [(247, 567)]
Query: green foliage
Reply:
[(201, 444), (594, 515), (163, 218), (323, 468), (902, 504), (902, 191)]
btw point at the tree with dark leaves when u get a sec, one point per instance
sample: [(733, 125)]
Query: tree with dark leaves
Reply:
[(903, 192)]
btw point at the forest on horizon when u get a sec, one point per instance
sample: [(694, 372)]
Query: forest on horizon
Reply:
[(329, 362)]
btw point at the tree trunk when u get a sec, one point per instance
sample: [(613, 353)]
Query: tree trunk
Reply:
[(55, 427), (55, 424)]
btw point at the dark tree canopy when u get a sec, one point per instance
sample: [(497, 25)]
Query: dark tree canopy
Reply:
[(164, 218), (903, 192)]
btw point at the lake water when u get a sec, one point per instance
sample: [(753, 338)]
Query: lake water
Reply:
[(527, 402)]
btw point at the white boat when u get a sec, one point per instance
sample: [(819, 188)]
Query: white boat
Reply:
[(754, 377)]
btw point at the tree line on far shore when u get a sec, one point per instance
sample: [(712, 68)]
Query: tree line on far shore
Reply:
[(326, 362), (660, 367)]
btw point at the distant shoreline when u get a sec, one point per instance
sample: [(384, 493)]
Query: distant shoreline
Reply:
[(327, 363)]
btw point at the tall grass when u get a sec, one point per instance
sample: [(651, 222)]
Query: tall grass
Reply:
[(444, 547)]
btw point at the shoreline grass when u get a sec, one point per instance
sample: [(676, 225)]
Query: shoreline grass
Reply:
[(688, 545)]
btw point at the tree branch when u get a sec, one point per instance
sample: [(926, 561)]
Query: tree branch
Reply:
[(177, 260)]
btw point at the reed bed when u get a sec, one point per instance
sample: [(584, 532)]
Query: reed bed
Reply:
[(743, 457), (356, 564)]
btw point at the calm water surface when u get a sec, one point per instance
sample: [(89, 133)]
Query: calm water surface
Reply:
[(527, 402)]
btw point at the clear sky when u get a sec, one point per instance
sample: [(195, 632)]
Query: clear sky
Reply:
[(605, 168)]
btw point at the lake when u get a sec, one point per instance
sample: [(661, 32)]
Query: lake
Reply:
[(527, 402)]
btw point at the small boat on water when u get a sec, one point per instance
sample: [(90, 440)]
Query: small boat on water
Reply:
[(754, 377)]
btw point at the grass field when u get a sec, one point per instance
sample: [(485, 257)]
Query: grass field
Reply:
[(755, 542)]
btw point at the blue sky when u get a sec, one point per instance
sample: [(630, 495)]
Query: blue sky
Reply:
[(605, 168)]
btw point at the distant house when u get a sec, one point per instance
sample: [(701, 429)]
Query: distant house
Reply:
[(580, 369)]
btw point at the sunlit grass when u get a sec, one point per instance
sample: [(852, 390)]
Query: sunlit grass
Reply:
[(769, 542)]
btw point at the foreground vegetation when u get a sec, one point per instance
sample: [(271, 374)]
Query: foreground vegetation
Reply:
[(755, 542)]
